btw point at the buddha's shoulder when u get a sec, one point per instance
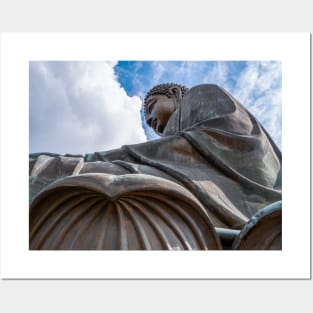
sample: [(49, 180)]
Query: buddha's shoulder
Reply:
[(204, 87)]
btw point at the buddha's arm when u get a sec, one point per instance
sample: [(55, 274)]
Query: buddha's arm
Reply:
[(107, 156)]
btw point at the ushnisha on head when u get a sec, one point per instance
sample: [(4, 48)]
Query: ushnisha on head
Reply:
[(160, 102)]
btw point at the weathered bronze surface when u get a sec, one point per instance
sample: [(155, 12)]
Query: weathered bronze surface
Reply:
[(263, 231), (127, 212), (211, 147)]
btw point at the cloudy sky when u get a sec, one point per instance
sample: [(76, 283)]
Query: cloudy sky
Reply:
[(80, 107)]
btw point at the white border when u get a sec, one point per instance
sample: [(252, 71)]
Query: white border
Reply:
[(293, 49)]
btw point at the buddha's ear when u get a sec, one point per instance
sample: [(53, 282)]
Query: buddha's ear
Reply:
[(177, 93)]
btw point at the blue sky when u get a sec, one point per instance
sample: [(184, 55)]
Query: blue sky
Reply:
[(80, 107)]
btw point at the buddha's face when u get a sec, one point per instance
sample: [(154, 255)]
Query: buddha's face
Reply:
[(159, 108)]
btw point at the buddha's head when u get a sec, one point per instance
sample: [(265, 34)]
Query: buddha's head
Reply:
[(160, 103)]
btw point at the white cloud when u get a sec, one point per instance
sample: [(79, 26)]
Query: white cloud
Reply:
[(218, 74), (159, 69), (79, 107), (259, 89)]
